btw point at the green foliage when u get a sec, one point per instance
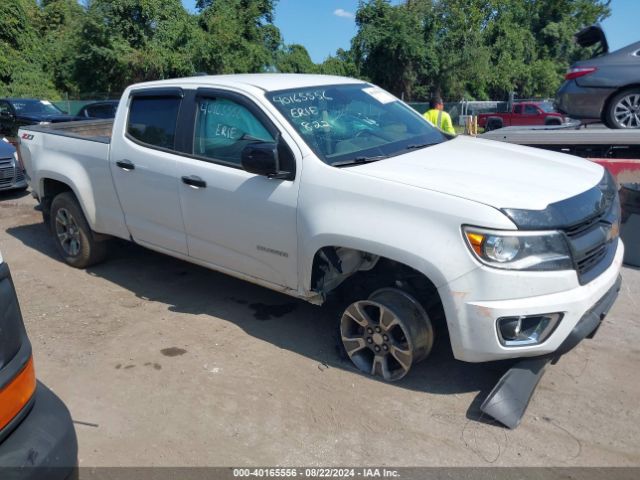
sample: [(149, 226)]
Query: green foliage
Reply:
[(294, 59), (470, 48), (458, 48)]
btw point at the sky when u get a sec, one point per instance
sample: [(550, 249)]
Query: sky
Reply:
[(323, 26)]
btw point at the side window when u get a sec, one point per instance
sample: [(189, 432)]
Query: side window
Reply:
[(530, 110), (152, 120), (223, 128), (101, 111), (517, 109)]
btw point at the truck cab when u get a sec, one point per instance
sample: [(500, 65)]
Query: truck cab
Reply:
[(521, 114)]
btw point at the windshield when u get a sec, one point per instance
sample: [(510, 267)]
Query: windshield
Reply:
[(39, 107), (348, 123), (546, 107)]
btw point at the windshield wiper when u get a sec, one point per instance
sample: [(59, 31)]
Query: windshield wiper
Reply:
[(359, 161), (415, 146)]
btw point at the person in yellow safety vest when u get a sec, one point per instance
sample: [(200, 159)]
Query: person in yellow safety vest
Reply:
[(438, 116)]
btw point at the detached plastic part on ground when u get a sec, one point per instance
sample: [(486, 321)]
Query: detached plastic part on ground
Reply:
[(509, 399)]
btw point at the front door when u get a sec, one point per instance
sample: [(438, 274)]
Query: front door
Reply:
[(144, 165), (234, 219)]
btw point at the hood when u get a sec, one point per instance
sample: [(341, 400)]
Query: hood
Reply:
[(498, 174), (6, 150)]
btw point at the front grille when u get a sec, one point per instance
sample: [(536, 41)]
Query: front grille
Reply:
[(7, 172), (592, 245), (576, 230), (591, 259)]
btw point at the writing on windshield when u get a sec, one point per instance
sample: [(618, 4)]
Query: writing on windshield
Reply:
[(347, 122)]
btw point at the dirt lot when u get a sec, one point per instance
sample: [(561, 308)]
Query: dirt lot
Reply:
[(165, 363)]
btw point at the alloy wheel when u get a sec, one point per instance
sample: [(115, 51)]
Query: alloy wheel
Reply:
[(386, 334), (627, 111), (68, 232)]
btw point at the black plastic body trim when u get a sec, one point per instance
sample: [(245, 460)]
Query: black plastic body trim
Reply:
[(560, 214), (157, 92), (43, 445)]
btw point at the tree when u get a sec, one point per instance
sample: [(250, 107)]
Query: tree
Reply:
[(127, 41), (294, 59), (388, 48), (21, 52), (239, 36)]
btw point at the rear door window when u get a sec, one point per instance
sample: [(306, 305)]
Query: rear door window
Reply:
[(152, 121), (517, 109)]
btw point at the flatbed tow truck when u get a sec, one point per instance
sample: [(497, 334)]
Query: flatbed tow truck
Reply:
[(616, 150)]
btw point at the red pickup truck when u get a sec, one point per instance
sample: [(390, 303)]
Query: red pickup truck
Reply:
[(522, 113)]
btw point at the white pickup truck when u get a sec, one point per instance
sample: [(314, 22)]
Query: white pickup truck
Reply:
[(312, 184)]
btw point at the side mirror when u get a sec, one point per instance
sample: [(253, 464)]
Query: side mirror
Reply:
[(262, 158)]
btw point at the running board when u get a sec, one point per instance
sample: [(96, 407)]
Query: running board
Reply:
[(510, 398)]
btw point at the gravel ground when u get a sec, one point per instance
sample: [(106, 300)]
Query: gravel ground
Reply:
[(163, 363)]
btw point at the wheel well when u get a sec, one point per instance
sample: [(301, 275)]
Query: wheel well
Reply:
[(358, 273), (51, 188)]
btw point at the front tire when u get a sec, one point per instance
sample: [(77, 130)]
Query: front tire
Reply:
[(623, 111), (72, 235), (386, 334)]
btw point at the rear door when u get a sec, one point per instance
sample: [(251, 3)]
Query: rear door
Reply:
[(145, 169), (237, 220)]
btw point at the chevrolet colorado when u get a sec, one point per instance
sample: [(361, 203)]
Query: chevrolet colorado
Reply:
[(312, 184)]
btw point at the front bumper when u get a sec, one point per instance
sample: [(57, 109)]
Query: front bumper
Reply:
[(581, 102), (472, 320), (43, 445)]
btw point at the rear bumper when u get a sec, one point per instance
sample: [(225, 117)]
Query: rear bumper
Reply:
[(43, 445), (581, 102)]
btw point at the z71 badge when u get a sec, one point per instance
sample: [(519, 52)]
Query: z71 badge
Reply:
[(27, 136)]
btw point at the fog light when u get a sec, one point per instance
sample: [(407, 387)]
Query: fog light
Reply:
[(527, 330)]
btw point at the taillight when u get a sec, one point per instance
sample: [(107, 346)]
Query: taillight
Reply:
[(15, 395), (577, 72)]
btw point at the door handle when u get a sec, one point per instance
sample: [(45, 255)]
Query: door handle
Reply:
[(194, 181), (126, 165)]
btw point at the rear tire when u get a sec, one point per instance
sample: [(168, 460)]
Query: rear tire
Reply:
[(623, 110), (72, 235)]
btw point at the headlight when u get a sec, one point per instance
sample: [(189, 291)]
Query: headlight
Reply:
[(519, 250)]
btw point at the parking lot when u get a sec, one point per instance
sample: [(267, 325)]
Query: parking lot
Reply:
[(165, 363)]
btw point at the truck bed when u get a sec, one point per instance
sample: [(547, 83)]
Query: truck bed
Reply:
[(93, 130)]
